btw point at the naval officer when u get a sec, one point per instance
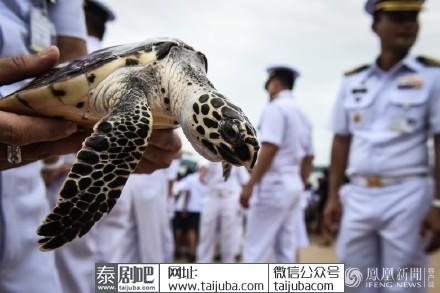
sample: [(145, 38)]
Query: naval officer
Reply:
[(384, 114), (276, 180)]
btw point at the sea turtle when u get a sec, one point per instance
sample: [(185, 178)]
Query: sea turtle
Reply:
[(123, 92)]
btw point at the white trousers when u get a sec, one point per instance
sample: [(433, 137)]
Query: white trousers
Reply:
[(220, 221), (152, 222), (271, 224), (23, 267), (271, 229), (380, 228)]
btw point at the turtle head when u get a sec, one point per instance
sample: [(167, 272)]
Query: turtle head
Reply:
[(221, 131), (216, 128), (238, 141)]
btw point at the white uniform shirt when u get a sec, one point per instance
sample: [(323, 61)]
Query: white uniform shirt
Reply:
[(216, 183), (196, 189), (389, 114), (23, 187), (286, 126)]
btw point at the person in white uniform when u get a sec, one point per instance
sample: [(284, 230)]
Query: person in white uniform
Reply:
[(191, 189), (221, 216), (24, 195), (382, 118), (276, 180), (23, 198)]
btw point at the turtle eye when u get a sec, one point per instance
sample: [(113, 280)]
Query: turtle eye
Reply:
[(230, 131), (204, 60)]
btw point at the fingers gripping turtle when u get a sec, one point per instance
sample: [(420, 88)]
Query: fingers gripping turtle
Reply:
[(103, 165)]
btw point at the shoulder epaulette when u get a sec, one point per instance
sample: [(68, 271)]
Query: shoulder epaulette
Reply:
[(357, 70), (427, 61)]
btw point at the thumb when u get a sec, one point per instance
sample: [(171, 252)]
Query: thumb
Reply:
[(16, 68)]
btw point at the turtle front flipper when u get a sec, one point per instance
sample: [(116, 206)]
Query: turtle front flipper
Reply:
[(102, 167)]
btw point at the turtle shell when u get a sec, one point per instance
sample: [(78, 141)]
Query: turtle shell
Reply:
[(64, 92)]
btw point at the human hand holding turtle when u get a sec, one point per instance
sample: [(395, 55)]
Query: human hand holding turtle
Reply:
[(40, 137), (44, 137)]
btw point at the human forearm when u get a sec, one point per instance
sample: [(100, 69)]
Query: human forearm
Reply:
[(265, 158), (339, 160), (333, 208), (306, 168)]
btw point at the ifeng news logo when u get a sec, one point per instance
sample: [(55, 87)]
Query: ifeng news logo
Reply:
[(407, 277), (353, 277), (127, 278)]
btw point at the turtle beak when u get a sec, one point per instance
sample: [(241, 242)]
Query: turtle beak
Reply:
[(242, 148)]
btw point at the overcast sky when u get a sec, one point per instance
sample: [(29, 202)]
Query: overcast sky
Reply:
[(322, 38)]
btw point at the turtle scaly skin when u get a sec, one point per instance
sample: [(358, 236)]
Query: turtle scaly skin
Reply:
[(124, 92)]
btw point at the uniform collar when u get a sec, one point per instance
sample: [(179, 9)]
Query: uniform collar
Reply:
[(285, 94), (409, 62)]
